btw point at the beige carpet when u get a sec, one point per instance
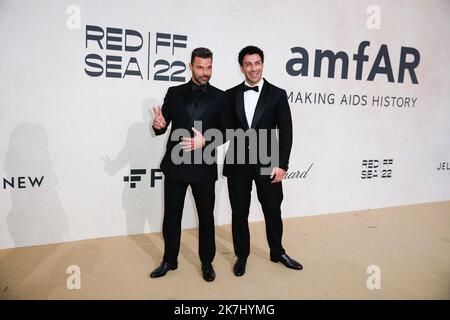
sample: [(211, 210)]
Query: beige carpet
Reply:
[(409, 244)]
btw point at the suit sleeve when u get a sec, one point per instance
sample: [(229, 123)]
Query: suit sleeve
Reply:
[(226, 118), (166, 112), (284, 125)]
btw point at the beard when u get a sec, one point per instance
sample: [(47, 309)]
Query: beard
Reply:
[(201, 79)]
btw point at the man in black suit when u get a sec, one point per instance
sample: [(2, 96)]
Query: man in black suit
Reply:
[(256, 105), (197, 101)]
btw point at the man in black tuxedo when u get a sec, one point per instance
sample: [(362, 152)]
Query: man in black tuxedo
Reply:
[(197, 101), (257, 105)]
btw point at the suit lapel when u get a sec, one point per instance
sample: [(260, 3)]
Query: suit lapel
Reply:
[(190, 108), (261, 105), (188, 98), (193, 112), (202, 105), (240, 109)]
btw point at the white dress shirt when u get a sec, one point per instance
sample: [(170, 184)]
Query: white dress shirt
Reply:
[(250, 100)]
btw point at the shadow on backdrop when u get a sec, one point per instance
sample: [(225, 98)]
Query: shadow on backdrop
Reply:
[(142, 204), (37, 215)]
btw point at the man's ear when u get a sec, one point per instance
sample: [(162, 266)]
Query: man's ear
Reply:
[(242, 69), (190, 66)]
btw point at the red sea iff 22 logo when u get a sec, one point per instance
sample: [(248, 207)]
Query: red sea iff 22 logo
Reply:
[(124, 53), (372, 169)]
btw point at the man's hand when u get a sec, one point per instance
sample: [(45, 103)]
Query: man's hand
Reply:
[(278, 173), (158, 122), (189, 144)]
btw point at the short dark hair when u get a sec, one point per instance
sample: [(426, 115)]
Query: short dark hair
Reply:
[(201, 53), (250, 50)]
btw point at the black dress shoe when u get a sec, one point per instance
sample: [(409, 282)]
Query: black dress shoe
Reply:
[(239, 267), (208, 272), (163, 268), (287, 261)]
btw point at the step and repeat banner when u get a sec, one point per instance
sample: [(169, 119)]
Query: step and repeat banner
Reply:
[(367, 83)]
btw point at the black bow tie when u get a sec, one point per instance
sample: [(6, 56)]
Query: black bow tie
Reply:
[(246, 88), (196, 87)]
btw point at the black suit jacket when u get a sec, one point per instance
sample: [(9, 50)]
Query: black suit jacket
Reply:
[(272, 112), (179, 109)]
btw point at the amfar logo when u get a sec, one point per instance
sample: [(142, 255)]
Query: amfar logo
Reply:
[(22, 182), (137, 174), (376, 169), (121, 53), (408, 61)]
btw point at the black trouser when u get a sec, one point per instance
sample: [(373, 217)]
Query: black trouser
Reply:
[(204, 196), (270, 196)]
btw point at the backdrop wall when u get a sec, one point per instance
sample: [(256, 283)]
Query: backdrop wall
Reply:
[(78, 80)]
